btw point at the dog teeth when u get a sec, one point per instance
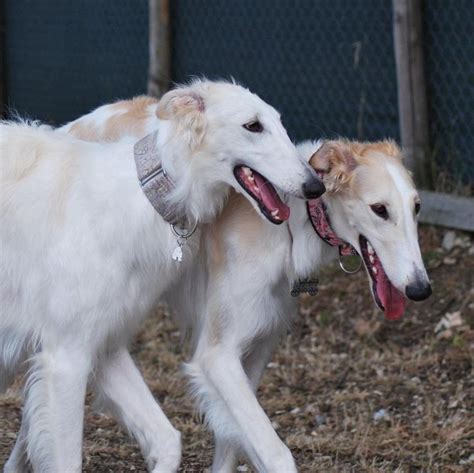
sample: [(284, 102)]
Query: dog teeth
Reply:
[(371, 258), (370, 249), (248, 174), (374, 270), (276, 214)]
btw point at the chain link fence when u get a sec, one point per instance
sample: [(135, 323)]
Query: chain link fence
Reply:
[(449, 54), (64, 58), (327, 65), (324, 64)]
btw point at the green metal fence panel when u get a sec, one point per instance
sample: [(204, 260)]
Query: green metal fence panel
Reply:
[(66, 57), (449, 52), (328, 66)]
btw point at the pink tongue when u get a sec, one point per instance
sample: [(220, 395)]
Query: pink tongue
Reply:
[(391, 298), (271, 200)]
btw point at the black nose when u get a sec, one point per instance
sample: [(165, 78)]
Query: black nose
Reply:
[(313, 188), (418, 291)]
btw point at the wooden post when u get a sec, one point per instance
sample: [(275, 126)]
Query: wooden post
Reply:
[(159, 70), (412, 102), (447, 210)]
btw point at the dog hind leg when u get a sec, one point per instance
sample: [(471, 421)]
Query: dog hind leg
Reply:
[(54, 408), (18, 459), (225, 455), (122, 390), (13, 351)]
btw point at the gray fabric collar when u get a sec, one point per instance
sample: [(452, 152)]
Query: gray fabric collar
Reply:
[(154, 181)]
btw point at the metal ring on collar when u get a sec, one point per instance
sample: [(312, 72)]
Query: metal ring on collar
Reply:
[(183, 232), (349, 271)]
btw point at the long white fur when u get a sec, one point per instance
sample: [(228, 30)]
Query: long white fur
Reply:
[(85, 257), (239, 308), (249, 298)]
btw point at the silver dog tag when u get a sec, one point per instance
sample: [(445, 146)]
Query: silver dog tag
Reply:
[(177, 254), (178, 251)]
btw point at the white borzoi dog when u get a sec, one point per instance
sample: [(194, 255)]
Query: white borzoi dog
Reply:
[(84, 256), (371, 204), (249, 268)]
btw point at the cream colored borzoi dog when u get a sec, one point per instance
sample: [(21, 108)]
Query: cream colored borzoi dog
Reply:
[(84, 256), (239, 300)]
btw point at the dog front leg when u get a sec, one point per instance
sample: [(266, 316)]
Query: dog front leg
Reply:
[(54, 409), (121, 388), (225, 452), (230, 405)]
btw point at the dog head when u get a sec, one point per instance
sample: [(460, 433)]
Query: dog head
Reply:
[(373, 205), (223, 135)]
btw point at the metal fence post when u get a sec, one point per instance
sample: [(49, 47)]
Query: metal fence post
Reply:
[(159, 69), (412, 101)]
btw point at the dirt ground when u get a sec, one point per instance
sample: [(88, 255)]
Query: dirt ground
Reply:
[(347, 390)]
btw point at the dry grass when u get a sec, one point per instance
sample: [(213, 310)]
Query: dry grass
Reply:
[(340, 366)]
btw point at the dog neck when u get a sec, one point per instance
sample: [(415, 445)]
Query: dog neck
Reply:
[(197, 193), (154, 181), (177, 194), (319, 218), (308, 250)]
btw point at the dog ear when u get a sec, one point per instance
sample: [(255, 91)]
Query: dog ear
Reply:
[(334, 161), (178, 103), (388, 147), (187, 108)]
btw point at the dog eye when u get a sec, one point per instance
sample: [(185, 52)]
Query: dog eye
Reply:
[(254, 127), (417, 207), (380, 210)]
